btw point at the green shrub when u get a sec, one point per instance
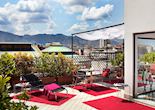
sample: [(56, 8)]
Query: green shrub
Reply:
[(7, 67), (54, 65), (24, 63), (148, 58), (119, 60), (7, 64), (5, 100)]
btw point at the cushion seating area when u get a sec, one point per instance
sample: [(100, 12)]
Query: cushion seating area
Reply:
[(51, 89), (39, 97)]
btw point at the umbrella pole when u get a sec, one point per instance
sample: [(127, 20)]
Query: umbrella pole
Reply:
[(72, 44), (106, 41)]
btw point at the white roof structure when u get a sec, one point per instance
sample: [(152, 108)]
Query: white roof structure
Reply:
[(111, 32)]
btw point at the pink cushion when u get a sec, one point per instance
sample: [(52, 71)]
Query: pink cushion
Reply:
[(105, 73), (52, 86)]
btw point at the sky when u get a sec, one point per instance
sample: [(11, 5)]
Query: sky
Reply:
[(149, 42), (58, 16)]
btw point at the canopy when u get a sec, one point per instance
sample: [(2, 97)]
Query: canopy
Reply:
[(112, 32)]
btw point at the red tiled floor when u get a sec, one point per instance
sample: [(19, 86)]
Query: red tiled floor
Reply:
[(115, 103)]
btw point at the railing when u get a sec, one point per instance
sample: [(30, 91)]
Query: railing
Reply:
[(96, 62)]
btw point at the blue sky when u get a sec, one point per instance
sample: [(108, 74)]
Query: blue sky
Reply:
[(149, 42), (58, 16)]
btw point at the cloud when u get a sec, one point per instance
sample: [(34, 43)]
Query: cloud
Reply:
[(78, 27), (94, 13), (3, 20), (75, 9), (32, 6), (75, 2), (21, 17), (75, 6)]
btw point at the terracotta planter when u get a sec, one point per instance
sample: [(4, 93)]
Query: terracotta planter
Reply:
[(61, 80), (47, 80), (14, 80), (65, 79)]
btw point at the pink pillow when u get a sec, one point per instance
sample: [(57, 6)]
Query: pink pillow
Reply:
[(52, 86), (105, 73)]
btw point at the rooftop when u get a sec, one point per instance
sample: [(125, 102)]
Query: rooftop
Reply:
[(56, 47), (78, 101)]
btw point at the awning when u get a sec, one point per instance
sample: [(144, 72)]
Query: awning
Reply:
[(103, 33)]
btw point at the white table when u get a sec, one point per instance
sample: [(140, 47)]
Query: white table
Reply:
[(21, 86), (88, 72)]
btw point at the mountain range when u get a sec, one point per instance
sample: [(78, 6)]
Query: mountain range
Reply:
[(42, 39)]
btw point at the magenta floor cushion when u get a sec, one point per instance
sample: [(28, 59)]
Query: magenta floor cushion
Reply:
[(52, 86)]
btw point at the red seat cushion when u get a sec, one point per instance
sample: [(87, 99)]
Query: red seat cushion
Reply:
[(105, 73)]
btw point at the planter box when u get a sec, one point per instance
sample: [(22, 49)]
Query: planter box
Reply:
[(61, 80), (14, 80), (47, 80), (65, 79)]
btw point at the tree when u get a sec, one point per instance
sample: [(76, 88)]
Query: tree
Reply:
[(24, 63), (7, 64), (44, 63), (119, 60), (61, 66), (148, 57)]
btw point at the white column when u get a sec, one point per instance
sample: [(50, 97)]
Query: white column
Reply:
[(139, 16)]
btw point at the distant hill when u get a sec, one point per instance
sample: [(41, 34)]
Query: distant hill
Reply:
[(49, 38), (9, 37), (117, 41)]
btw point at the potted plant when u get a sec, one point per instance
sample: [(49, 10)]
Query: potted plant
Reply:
[(24, 63), (118, 63), (58, 68), (65, 67), (44, 65)]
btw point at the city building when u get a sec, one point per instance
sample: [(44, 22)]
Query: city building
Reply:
[(56, 48), (16, 47)]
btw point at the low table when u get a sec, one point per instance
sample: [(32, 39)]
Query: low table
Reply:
[(87, 71), (120, 85), (21, 86)]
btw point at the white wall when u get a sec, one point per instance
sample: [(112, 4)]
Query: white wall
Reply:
[(139, 16)]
